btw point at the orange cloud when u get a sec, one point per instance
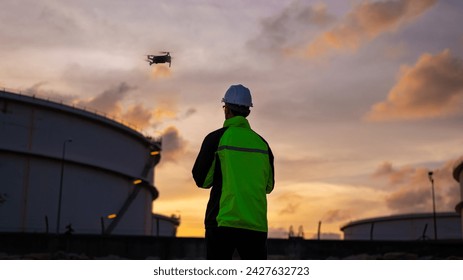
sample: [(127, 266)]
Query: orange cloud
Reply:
[(112, 103), (162, 112), (433, 87), (138, 115), (160, 71), (365, 22), (109, 101)]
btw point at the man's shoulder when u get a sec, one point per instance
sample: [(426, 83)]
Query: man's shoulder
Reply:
[(215, 135), (216, 132)]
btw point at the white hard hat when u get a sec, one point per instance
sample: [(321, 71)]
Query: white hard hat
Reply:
[(238, 95)]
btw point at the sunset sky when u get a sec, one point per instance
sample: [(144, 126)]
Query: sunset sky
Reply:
[(357, 99)]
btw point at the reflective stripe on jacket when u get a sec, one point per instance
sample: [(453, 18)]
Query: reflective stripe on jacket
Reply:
[(238, 164)]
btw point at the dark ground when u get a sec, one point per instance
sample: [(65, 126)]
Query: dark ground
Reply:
[(51, 246)]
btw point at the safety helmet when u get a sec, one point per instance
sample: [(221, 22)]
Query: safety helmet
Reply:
[(238, 95)]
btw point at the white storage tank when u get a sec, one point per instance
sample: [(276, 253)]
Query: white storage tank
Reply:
[(64, 168), (405, 227)]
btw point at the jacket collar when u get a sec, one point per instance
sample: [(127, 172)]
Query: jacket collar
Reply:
[(237, 121)]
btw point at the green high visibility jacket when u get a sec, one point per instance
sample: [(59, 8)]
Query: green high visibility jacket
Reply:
[(237, 164)]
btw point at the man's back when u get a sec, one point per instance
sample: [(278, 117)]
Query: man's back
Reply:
[(246, 177), (237, 164), (241, 174)]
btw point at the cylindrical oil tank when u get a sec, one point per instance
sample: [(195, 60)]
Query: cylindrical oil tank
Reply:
[(416, 226), (65, 169)]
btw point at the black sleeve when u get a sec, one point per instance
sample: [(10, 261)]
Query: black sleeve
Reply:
[(206, 156), (271, 159)]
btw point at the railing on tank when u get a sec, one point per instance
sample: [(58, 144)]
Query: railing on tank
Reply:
[(74, 106)]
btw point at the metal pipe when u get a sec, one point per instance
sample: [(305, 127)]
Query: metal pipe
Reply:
[(430, 173), (60, 197)]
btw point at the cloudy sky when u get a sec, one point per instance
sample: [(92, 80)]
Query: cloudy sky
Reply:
[(358, 99)]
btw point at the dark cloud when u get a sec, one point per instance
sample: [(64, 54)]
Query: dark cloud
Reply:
[(337, 215), (189, 112), (290, 208), (411, 188), (113, 103), (395, 176), (173, 145), (110, 100), (291, 202), (39, 90), (290, 26), (431, 88), (138, 115), (410, 200)]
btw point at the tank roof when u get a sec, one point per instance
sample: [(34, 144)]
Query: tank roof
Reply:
[(79, 111), (410, 216)]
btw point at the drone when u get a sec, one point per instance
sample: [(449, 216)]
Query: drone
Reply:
[(155, 59)]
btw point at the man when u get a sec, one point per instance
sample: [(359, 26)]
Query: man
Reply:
[(237, 164)]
